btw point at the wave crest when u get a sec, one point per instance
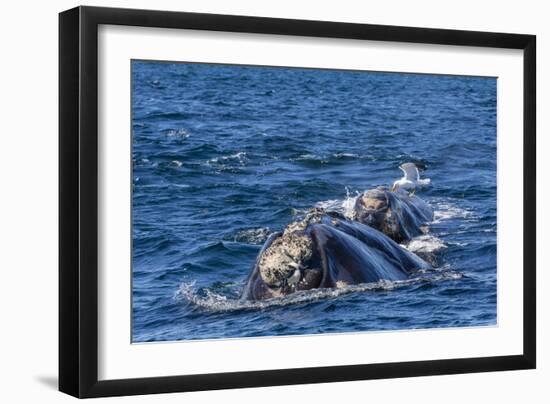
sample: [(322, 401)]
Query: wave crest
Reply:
[(240, 157), (445, 211), (252, 236), (427, 244)]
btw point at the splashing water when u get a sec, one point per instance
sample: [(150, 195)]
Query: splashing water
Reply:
[(426, 243), (253, 236), (344, 206), (216, 302)]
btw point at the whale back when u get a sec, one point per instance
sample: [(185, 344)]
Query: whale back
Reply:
[(347, 259), (375, 239)]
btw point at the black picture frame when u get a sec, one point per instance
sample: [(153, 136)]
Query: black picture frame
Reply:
[(78, 201)]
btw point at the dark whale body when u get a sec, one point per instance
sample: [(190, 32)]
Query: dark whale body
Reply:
[(399, 215), (326, 250)]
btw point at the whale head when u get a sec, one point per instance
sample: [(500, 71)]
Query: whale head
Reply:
[(371, 208), (289, 261), (284, 261), (381, 209)]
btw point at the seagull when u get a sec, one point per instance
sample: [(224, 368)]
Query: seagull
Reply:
[(411, 179)]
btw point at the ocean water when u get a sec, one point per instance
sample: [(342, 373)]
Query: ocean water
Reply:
[(225, 155)]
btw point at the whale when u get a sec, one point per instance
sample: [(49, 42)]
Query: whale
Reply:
[(326, 250), (398, 214)]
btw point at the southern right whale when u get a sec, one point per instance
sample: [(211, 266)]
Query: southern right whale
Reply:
[(327, 250), (398, 214)]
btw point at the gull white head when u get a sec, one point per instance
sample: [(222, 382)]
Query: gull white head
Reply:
[(411, 178)]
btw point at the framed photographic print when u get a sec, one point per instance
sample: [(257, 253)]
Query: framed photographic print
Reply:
[(251, 201)]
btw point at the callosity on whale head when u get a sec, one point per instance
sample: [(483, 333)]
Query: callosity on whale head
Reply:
[(399, 215), (326, 250), (288, 261)]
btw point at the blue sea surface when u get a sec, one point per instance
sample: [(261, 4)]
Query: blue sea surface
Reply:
[(225, 155)]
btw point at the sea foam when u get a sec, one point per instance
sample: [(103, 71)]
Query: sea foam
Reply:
[(209, 300)]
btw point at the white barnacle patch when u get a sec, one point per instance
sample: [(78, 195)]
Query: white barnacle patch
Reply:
[(283, 258), (283, 261), (312, 216)]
